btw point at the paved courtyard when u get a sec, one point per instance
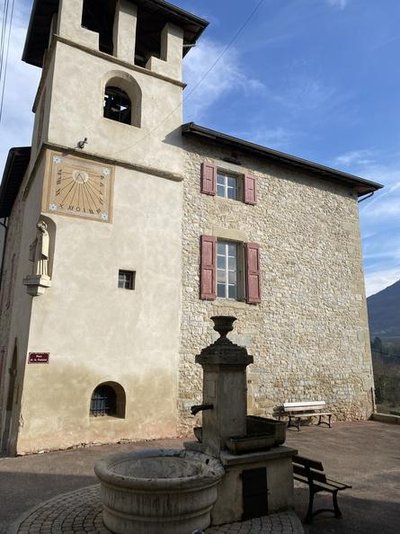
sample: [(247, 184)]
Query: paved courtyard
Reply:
[(80, 511), (365, 455)]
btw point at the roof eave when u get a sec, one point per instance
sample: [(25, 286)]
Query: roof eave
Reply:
[(361, 185), (43, 10)]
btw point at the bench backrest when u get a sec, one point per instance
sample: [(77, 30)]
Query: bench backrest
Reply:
[(309, 470), (301, 406)]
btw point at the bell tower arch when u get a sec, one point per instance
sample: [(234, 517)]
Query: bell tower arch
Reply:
[(77, 42)]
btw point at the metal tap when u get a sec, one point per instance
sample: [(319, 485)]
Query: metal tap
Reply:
[(201, 407)]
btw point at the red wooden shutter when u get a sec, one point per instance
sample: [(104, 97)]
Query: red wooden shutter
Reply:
[(208, 178), (253, 282), (207, 269), (249, 189)]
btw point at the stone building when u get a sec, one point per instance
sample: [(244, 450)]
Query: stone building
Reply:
[(126, 231)]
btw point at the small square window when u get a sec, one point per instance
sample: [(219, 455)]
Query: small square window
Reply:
[(228, 186), (126, 279)]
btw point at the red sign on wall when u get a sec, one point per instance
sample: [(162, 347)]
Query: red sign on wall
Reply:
[(38, 357)]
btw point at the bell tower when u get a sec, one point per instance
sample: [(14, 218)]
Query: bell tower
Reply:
[(96, 252), (112, 78)]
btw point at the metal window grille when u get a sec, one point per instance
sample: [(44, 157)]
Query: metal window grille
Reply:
[(103, 401)]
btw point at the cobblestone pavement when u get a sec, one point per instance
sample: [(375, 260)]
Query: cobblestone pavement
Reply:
[(283, 523), (79, 512)]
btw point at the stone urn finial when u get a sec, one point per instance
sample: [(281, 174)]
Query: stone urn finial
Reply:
[(223, 324)]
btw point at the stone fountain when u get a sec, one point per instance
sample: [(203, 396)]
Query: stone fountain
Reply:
[(158, 490), (258, 468), (238, 468)]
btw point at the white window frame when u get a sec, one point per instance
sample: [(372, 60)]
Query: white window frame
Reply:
[(224, 188), (223, 273)]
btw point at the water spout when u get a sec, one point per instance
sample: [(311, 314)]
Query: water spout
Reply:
[(201, 407)]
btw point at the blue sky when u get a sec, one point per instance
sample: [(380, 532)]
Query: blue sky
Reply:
[(314, 78)]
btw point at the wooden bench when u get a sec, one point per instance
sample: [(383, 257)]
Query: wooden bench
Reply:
[(302, 410), (312, 473)]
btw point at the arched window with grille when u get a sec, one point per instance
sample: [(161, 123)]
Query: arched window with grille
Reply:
[(108, 399)]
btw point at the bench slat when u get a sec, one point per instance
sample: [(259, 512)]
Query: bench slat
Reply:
[(304, 409), (325, 486), (307, 462), (308, 414), (340, 485), (302, 405), (309, 474)]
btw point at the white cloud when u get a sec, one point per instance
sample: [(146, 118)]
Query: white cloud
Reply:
[(355, 158), (278, 138), (376, 281), (386, 202), (386, 207), (208, 83), (305, 93), (340, 4), (22, 82)]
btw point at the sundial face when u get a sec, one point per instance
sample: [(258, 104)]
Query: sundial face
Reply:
[(80, 188)]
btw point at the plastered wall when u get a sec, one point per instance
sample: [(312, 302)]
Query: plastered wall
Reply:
[(96, 332)]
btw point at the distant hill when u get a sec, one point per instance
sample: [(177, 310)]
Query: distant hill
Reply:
[(384, 313)]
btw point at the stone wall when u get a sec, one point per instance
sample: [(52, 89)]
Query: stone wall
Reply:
[(309, 335)]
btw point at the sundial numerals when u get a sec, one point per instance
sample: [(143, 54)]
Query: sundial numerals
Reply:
[(80, 188)]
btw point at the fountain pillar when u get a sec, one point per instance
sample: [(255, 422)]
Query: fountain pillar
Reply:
[(224, 388), (258, 476)]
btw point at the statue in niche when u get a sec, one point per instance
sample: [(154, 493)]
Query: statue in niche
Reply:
[(39, 250)]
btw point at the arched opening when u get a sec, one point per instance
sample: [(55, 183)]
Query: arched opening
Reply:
[(117, 105), (108, 399), (122, 99)]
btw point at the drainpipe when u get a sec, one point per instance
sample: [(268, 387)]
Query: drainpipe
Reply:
[(369, 195), (4, 224)]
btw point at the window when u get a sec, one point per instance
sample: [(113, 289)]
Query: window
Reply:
[(126, 279), (228, 186), (108, 399), (117, 105), (122, 98), (229, 270), (103, 401), (217, 182)]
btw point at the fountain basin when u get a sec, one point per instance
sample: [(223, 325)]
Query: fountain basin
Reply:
[(158, 490), (262, 434)]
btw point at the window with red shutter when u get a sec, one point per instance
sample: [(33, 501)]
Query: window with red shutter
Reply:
[(249, 190), (208, 267), (253, 282), (208, 178), (224, 184)]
